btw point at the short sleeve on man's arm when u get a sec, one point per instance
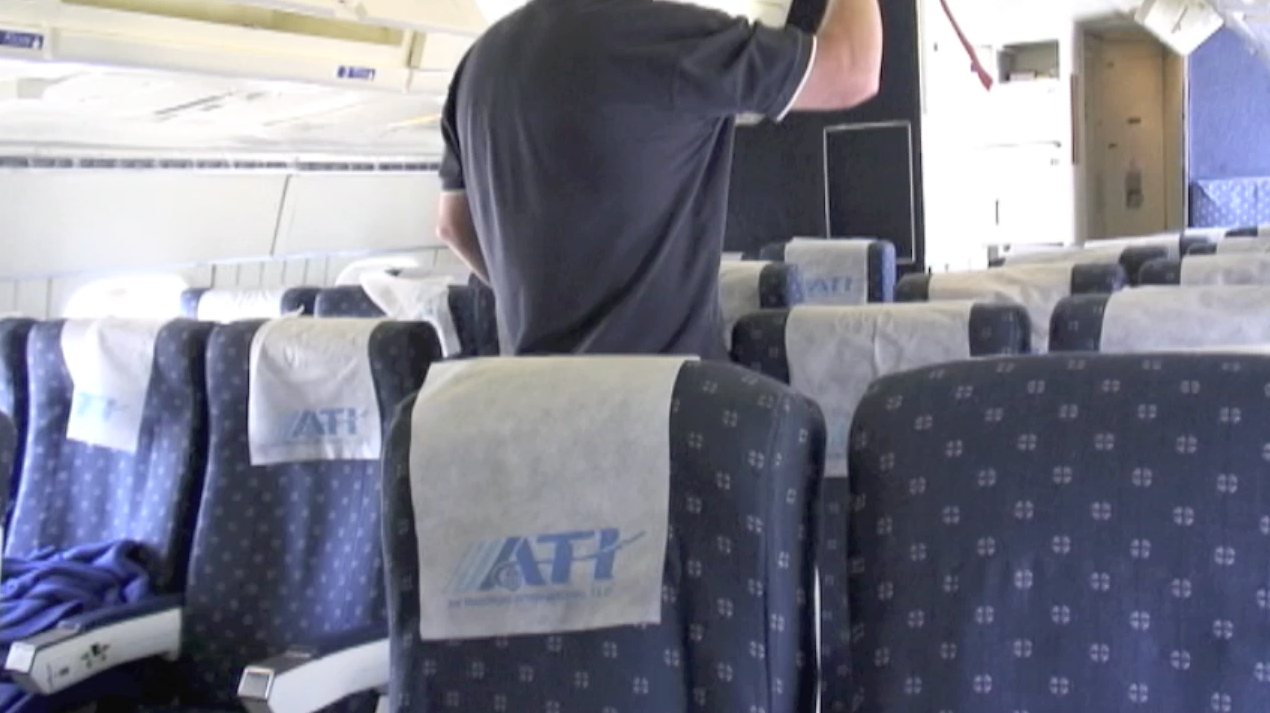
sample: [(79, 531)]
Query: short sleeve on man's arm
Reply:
[(738, 67), (451, 170)]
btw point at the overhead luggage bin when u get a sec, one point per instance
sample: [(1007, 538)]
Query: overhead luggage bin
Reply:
[(237, 39), (465, 17)]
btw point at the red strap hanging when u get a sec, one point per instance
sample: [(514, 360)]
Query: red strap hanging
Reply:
[(984, 75)]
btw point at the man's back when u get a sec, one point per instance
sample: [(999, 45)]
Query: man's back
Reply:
[(594, 139)]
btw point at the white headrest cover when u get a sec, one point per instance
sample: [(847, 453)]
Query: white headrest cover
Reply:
[(1170, 317), (834, 272), (1243, 246), (235, 305), (312, 392), (834, 353), (1226, 269), (110, 362), (1038, 288), (519, 462)]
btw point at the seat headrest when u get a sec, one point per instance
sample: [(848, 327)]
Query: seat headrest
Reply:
[(110, 362), (1163, 318), (312, 392), (566, 459)]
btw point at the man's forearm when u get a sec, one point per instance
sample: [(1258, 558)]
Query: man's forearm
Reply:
[(468, 248), (456, 229)]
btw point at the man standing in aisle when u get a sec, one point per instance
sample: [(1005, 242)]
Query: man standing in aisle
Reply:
[(588, 155)]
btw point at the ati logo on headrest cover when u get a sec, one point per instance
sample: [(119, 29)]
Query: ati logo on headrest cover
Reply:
[(324, 424), (538, 563), (829, 286), (97, 408)]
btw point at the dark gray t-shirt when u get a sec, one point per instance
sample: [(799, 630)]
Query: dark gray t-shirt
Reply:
[(594, 141)]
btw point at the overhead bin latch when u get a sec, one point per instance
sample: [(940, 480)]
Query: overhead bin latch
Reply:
[(351, 10)]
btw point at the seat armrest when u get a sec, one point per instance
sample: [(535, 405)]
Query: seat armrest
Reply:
[(317, 675), (84, 646)]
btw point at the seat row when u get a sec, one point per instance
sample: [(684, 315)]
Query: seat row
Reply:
[(463, 315), (239, 466), (285, 547), (811, 271)]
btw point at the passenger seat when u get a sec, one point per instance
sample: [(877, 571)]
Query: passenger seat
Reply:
[(1156, 318), (736, 468), (470, 311), (1219, 269), (116, 451), (14, 400), (231, 305), (1037, 287), (286, 564), (832, 355), (750, 286), (1070, 533), (840, 271), (8, 456)]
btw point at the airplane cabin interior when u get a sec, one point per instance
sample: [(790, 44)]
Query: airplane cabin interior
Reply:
[(990, 436)]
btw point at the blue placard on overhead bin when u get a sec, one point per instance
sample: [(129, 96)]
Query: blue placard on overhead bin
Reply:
[(362, 74), (21, 40)]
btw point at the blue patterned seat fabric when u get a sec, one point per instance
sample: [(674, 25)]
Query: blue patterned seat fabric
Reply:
[(1133, 258), (737, 631), (760, 344), (14, 395), (73, 493), (882, 266), (1236, 201), (1069, 534), (8, 453), (285, 554), (471, 307), (780, 286), (294, 300), (1086, 279), (1077, 323)]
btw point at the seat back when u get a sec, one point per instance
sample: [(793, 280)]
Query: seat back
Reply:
[(1242, 245), (832, 355), (471, 311), (1156, 318), (287, 552), (1126, 251), (14, 395), (1038, 288), (750, 286), (8, 454), (1219, 269), (229, 305), (1076, 534), (1250, 231), (840, 271), (73, 492), (736, 626)]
